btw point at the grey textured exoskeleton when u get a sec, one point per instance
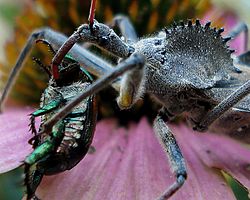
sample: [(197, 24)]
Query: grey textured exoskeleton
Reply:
[(187, 68)]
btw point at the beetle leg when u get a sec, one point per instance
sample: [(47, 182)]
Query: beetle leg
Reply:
[(126, 28), (48, 107), (33, 176), (41, 111), (32, 125), (32, 180), (132, 62), (173, 151), (223, 106), (48, 145), (240, 27)]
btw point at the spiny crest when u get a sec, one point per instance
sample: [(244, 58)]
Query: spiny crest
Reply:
[(199, 52), (196, 29)]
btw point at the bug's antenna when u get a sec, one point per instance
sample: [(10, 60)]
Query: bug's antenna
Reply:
[(92, 14)]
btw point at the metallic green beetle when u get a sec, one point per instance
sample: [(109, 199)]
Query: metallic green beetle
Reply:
[(71, 137)]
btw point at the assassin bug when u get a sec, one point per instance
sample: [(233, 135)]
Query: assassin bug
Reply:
[(187, 68)]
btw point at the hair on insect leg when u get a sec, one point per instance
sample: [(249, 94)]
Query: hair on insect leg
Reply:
[(176, 160)]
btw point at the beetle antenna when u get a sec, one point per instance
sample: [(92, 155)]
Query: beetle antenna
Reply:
[(92, 14), (48, 44), (38, 61)]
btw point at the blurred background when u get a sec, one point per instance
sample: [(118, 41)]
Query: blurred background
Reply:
[(19, 17)]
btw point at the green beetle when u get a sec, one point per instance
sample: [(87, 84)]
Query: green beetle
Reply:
[(71, 137)]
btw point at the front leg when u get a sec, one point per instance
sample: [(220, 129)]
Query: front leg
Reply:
[(131, 88), (173, 151), (91, 62), (134, 61)]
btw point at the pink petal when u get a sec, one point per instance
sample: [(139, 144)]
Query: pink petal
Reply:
[(130, 164), (14, 134), (220, 152)]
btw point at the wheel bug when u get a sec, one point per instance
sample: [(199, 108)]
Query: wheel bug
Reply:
[(187, 68)]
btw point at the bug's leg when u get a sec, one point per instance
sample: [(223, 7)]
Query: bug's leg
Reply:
[(131, 88), (15, 70), (33, 175), (32, 125), (92, 63), (223, 106), (126, 28), (173, 151), (131, 81), (240, 27), (132, 62), (32, 180), (243, 60), (39, 112)]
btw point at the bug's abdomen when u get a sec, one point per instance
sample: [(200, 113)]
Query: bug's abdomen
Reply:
[(235, 124)]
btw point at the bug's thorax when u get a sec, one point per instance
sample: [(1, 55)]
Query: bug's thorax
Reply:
[(185, 65), (187, 57)]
